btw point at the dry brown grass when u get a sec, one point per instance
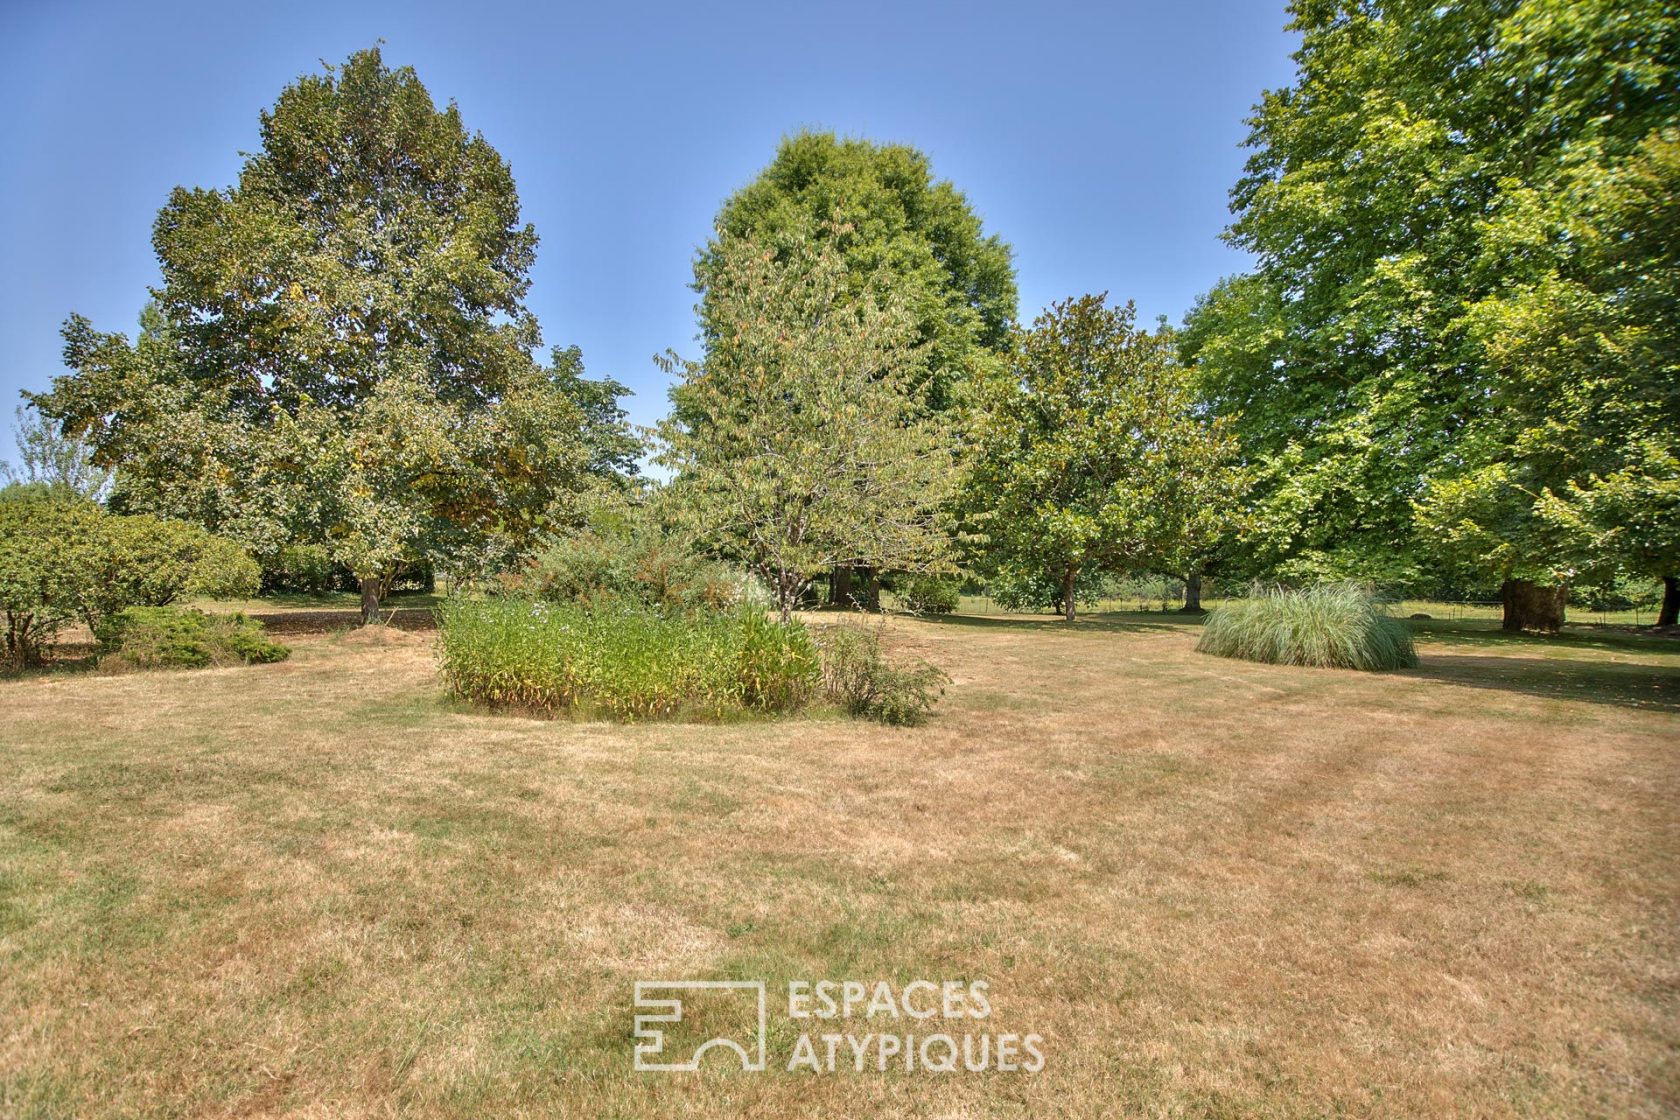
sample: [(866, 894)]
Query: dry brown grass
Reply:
[(1215, 888)]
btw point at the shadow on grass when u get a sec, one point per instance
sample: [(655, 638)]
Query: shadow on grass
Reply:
[(345, 600), (1650, 687), (1108, 622), (1480, 654), (1594, 636), (400, 616)]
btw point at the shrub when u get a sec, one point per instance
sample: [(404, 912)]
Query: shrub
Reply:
[(1330, 625), (151, 561), (64, 559), (858, 676), (628, 558), (924, 594), (37, 584), (623, 660), (304, 569), (177, 638)]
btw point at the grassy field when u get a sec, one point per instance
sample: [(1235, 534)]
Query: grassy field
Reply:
[(1214, 888)]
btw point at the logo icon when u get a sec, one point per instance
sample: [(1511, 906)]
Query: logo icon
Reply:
[(651, 1035)]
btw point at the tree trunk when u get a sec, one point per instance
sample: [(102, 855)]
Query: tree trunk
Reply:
[(840, 586), (787, 589), (1070, 601), (1669, 614), (1533, 606), (1192, 594), (373, 589), (869, 597)]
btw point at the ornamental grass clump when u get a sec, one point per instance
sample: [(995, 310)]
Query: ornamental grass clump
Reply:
[(624, 661), (1337, 626)]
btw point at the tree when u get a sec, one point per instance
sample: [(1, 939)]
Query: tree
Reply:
[(53, 459), (894, 224), (1577, 474), (1390, 197), (1090, 455), (344, 355), (797, 441)]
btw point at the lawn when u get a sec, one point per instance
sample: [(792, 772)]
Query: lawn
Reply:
[(1213, 888)]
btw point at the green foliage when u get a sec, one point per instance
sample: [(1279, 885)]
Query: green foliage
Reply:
[(1462, 318), (341, 355), (37, 586), (857, 675), (70, 560), (623, 661), (305, 569), (1034, 588), (177, 638), (928, 594), (897, 228), (153, 561), (624, 553), (46, 456), (1337, 626), (1091, 456), (798, 442)]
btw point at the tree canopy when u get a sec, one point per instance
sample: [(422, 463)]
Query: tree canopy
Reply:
[(797, 441), (341, 352), (1432, 208), (893, 223), (1089, 454)]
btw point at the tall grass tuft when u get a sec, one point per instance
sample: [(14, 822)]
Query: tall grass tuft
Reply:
[(1336, 626), (624, 661)]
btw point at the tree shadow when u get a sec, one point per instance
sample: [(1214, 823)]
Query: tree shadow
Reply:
[(1107, 622), (1629, 685), (1594, 636)]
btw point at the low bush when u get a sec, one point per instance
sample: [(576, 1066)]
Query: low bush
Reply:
[(177, 638), (923, 594), (858, 676), (1337, 626), (623, 660)]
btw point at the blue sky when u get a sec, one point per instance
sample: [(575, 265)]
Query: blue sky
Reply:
[(1099, 139)]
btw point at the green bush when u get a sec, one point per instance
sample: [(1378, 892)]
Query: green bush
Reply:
[(923, 594), (858, 676), (177, 638), (63, 560), (1330, 626), (304, 569), (623, 660), (628, 559)]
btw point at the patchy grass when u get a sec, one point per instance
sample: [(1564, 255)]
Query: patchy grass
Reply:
[(1215, 888)]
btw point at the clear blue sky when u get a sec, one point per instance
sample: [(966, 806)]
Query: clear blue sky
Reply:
[(1099, 139)]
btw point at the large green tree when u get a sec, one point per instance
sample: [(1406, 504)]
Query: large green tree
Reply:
[(342, 353), (1092, 455), (893, 224), (797, 441), (1395, 203)]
